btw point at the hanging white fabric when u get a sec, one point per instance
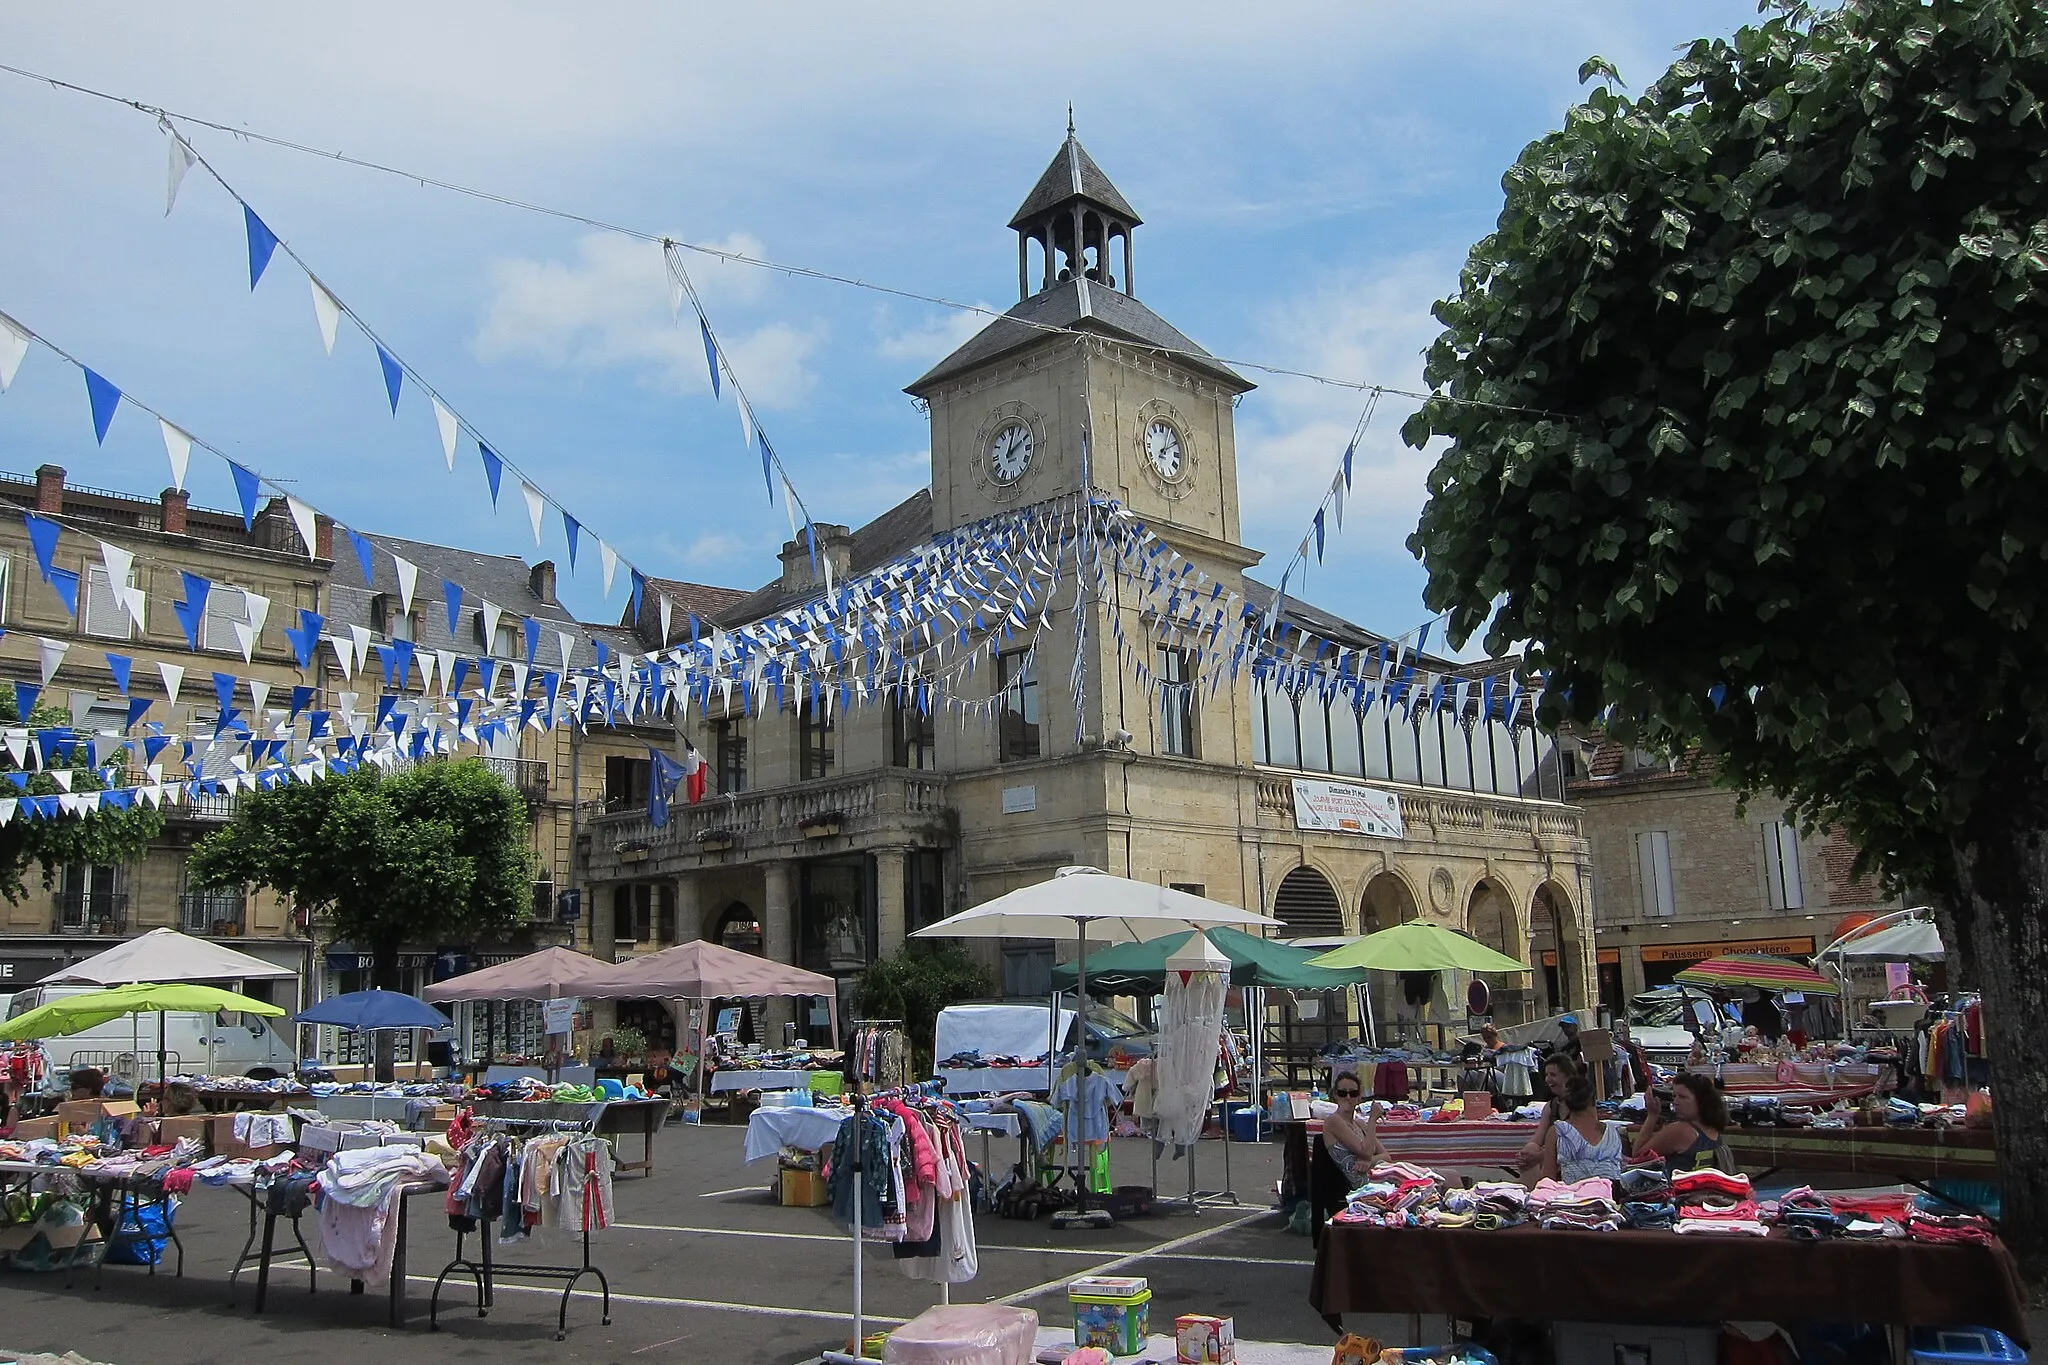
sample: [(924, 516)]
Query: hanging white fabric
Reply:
[(1197, 979)]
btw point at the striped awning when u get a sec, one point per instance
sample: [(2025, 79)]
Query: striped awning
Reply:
[(1757, 970)]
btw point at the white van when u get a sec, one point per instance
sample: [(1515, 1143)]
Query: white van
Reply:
[(222, 1044)]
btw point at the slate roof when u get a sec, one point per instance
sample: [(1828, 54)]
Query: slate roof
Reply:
[(1337, 630), (705, 600), (505, 580), (907, 524), (1073, 174), (1076, 305)]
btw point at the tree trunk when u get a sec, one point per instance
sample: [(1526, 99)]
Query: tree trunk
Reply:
[(384, 976), (1999, 912)]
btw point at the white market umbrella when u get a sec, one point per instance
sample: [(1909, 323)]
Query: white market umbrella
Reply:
[(1078, 902), (167, 955), (1913, 940)]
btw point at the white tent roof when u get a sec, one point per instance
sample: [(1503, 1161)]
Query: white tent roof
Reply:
[(1115, 909), (167, 955), (1198, 954), (1910, 940)]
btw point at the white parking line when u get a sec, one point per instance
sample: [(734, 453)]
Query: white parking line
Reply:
[(1129, 1258), (737, 1189), (457, 1309), (831, 1237)]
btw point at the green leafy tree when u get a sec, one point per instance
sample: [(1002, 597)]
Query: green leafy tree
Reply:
[(439, 851), (1751, 449), (914, 984), (105, 838)]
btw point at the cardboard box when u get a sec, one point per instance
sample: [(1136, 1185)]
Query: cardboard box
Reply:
[(120, 1109), (29, 1129), (1203, 1340), (78, 1115), (189, 1126), (803, 1189)]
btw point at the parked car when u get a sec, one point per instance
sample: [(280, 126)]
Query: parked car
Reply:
[(220, 1044)]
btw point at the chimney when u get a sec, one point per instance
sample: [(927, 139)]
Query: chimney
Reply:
[(175, 501), (835, 548), (273, 525), (50, 489), (323, 538), (540, 580)]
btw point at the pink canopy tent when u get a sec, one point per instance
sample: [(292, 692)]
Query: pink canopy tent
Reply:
[(550, 974), (702, 971)]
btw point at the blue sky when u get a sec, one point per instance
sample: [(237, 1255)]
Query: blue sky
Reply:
[(1310, 177)]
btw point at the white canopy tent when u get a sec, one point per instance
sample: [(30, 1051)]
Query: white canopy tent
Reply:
[(167, 955)]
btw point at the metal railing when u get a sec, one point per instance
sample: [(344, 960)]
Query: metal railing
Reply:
[(529, 776), (213, 912), (781, 812), (91, 913)]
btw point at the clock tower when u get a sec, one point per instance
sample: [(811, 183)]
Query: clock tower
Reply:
[(1079, 361)]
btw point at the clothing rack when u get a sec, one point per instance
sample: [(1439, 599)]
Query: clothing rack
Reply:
[(486, 1271)]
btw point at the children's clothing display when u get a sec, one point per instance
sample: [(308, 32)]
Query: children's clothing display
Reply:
[(913, 1187), (359, 1193), (512, 1187), (881, 1055)]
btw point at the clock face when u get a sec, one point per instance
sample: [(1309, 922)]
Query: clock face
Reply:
[(1009, 454), (1162, 448)]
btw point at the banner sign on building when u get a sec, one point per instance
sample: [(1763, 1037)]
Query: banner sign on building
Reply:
[(1345, 808)]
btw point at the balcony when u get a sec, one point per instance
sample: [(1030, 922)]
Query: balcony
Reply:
[(211, 809), (1447, 816), (219, 913), (99, 913), (528, 776), (805, 814)]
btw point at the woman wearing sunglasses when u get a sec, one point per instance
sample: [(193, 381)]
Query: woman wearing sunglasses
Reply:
[(1353, 1146)]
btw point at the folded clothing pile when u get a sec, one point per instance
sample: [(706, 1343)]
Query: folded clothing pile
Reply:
[(1394, 1197), (1585, 1205)]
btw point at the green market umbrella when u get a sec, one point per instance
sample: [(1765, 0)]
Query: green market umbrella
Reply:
[(1419, 946), (1254, 961), (76, 1013)]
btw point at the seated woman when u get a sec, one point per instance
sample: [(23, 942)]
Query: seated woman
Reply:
[(1583, 1145), (1691, 1137), (1354, 1147), (1558, 1070)]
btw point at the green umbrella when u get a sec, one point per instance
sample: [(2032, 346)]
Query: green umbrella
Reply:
[(1254, 961), (1419, 946), (77, 1013)]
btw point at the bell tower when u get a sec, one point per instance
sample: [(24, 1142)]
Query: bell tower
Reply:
[(1074, 215)]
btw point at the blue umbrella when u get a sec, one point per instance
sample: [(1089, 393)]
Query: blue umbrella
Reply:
[(365, 1011)]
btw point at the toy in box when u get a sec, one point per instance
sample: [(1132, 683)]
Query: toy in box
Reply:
[(1202, 1340), (1111, 1311)]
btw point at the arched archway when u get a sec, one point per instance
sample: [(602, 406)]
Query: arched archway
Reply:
[(737, 927), (1307, 907), (1387, 901), (1490, 918), (1554, 929)]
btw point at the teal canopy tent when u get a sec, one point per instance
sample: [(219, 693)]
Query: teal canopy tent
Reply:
[(1131, 968)]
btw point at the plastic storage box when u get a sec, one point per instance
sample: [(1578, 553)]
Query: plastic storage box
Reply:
[(965, 1334), (1111, 1311), (1964, 1346)]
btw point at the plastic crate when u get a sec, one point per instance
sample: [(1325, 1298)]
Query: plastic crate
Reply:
[(1982, 1196), (1965, 1346), (1462, 1351), (1246, 1123)]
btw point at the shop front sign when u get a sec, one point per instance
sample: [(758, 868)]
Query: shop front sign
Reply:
[(1700, 952)]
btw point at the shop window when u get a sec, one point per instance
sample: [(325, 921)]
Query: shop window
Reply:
[(387, 620), (665, 912), (834, 914), (1176, 673), (814, 727), (6, 581), (1781, 866), (916, 734), (1653, 871), (729, 745), (633, 912), (1017, 685)]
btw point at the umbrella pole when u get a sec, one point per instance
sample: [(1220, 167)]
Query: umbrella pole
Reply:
[(163, 1082)]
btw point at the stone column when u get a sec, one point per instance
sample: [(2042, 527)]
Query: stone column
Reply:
[(889, 910), (604, 1014), (689, 908), (778, 937)]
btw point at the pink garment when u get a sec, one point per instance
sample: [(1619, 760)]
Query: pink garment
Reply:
[(1593, 1187), (924, 1160)]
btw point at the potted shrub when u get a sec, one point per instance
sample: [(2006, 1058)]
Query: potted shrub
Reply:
[(823, 825)]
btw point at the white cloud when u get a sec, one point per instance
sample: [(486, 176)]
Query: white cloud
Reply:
[(933, 337), (608, 308)]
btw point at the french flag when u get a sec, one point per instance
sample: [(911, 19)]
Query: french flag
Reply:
[(693, 772)]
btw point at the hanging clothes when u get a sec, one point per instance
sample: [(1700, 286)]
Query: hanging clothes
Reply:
[(914, 1186)]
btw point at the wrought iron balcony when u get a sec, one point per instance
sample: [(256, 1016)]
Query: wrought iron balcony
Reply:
[(101, 913), (849, 805), (221, 913), (528, 776)]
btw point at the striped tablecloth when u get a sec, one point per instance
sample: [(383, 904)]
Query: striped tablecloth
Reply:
[(1807, 1085), (1492, 1143)]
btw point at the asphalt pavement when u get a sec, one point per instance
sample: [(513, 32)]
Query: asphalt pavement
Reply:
[(703, 1265)]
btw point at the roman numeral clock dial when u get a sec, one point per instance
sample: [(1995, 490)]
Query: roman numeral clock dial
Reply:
[(1163, 449), (1009, 454)]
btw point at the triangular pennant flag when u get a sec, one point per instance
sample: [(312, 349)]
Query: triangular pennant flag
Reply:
[(303, 518), (344, 656), (408, 576), (452, 591), (326, 311), (535, 506), (668, 608), (178, 446), (174, 678), (747, 428), (364, 557), (25, 695), (13, 349), (444, 659), (570, 529), (767, 467), (531, 628), (245, 637), (104, 398), (259, 695), (257, 608), (66, 584), (639, 593), (568, 644), (710, 354), (394, 376), (262, 242), (42, 538), (136, 707), (449, 428), (491, 613), (182, 158), (610, 558), (359, 643), (121, 666), (249, 488), (494, 468), (50, 653)]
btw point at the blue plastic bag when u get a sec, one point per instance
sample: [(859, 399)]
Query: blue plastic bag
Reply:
[(151, 1221)]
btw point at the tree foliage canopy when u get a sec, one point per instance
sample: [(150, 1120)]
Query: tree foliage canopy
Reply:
[(104, 838), (1754, 450), (918, 981), (433, 852)]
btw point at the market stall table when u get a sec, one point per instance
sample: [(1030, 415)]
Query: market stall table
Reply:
[(1490, 1143), (739, 1078), (404, 1193), (1527, 1272), (1811, 1085), (806, 1129), (116, 1201), (607, 1118), (1915, 1155)]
